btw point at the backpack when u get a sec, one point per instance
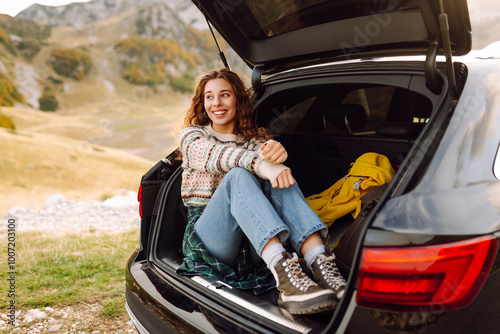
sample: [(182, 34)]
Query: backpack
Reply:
[(369, 171)]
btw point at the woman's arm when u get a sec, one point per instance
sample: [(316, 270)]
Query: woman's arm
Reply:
[(199, 153), (273, 152)]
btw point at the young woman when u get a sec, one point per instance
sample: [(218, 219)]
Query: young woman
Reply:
[(244, 205)]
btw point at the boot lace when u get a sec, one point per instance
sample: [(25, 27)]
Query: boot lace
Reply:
[(295, 274), (330, 271)]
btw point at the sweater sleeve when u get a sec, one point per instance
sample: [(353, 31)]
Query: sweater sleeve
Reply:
[(199, 153)]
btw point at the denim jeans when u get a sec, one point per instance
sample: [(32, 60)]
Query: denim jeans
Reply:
[(241, 206)]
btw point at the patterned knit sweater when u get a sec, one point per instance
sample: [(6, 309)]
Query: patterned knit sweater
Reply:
[(207, 156)]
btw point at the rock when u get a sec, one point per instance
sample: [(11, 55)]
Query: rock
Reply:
[(34, 314), (54, 328), (54, 200)]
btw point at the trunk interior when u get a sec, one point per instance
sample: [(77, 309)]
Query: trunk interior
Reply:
[(324, 124)]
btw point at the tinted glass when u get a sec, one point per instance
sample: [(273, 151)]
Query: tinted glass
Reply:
[(258, 19)]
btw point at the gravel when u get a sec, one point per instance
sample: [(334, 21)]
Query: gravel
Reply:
[(60, 216), (78, 319)]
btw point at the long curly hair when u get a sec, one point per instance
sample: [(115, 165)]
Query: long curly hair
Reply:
[(245, 124)]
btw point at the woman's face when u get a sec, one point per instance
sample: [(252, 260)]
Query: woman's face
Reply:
[(220, 105)]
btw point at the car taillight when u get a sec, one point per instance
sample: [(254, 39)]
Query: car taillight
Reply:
[(424, 278), (139, 198)]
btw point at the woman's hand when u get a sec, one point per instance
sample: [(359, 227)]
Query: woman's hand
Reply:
[(273, 152), (284, 179)]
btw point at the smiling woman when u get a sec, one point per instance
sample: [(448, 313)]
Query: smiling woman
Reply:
[(220, 105), (237, 183)]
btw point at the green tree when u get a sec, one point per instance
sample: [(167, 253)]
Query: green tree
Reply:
[(48, 101)]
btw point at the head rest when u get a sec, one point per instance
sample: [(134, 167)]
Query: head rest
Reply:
[(354, 114)]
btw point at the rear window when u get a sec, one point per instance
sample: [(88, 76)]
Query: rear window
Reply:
[(389, 104), (259, 19), (366, 108)]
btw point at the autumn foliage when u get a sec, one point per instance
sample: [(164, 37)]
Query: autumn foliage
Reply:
[(6, 122), (71, 63), (29, 36), (9, 95), (144, 60)]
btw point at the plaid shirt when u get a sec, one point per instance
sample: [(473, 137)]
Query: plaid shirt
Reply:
[(198, 262)]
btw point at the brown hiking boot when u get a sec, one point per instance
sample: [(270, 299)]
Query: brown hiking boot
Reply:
[(327, 275), (298, 293)]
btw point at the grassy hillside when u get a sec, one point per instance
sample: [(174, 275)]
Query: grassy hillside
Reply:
[(35, 164)]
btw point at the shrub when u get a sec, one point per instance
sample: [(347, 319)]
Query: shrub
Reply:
[(183, 83), (151, 75), (48, 102), (71, 63), (9, 95), (28, 49), (6, 122)]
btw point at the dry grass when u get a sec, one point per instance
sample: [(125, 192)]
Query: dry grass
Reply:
[(34, 166), (69, 152)]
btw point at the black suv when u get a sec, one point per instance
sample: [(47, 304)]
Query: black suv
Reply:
[(336, 79)]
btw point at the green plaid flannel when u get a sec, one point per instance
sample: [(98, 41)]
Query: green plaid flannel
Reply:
[(198, 262)]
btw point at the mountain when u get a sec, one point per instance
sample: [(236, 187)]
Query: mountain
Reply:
[(145, 57), (81, 14)]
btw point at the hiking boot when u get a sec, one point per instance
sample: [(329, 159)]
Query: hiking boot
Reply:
[(298, 293), (327, 275)]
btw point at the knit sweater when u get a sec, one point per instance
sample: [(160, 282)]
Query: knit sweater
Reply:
[(207, 156)]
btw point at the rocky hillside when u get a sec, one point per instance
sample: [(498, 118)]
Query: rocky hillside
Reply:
[(148, 42), (129, 64), (81, 14)]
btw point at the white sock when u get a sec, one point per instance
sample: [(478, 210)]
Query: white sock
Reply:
[(313, 254), (272, 254)]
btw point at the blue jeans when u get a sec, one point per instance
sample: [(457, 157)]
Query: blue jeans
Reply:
[(241, 206)]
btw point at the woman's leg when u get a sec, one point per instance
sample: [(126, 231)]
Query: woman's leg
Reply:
[(306, 229), (238, 207), (307, 232)]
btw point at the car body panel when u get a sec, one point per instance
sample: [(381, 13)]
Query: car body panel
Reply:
[(483, 312), (462, 183)]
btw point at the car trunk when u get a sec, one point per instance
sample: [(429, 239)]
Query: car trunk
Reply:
[(325, 119)]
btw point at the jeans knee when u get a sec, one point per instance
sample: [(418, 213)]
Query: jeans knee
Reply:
[(239, 173)]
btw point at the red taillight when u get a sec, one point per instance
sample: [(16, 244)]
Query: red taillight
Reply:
[(425, 278), (139, 198)]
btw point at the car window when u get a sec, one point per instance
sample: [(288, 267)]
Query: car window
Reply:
[(384, 104), (259, 19), (288, 119), (357, 110)]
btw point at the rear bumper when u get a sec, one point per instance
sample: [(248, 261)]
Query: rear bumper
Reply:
[(150, 305), (143, 319)]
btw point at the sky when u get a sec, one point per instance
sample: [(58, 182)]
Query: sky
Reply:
[(13, 7)]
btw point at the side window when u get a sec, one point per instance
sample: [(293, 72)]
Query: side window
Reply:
[(389, 105), (376, 102)]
